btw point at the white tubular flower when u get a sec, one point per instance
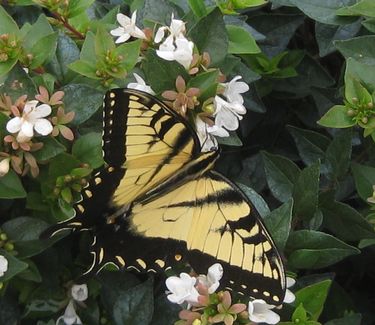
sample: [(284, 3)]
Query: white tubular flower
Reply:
[(32, 119), (127, 28), (213, 277), (79, 292), (182, 52), (207, 141), (227, 114), (260, 312), (289, 295), (182, 289), (176, 29), (233, 90), (70, 316), (140, 85), (3, 265), (4, 167)]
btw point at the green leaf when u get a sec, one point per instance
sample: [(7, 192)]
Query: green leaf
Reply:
[(299, 314), (88, 52), (84, 68), (130, 52), (278, 223), (161, 74), (354, 319), (11, 186), (369, 24), (103, 43), (43, 50), (258, 202), (31, 273), (281, 175), (206, 82), (313, 298), (24, 228), (337, 117), (361, 8), (62, 165), (361, 48), (323, 11), (51, 148), (18, 83), (76, 7), (210, 35), (364, 73), (5, 67), (305, 192), (326, 35), (338, 154), (232, 140), (344, 221), (66, 52), (8, 25), (241, 41), (88, 149), (135, 306), (198, 8), (15, 266), (314, 250), (311, 145), (36, 32), (83, 100), (278, 28), (364, 177), (243, 4)]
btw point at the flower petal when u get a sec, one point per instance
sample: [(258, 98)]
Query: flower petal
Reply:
[(14, 125), (43, 126), (117, 31), (40, 111), (27, 129), (160, 34), (123, 38), (123, 20)]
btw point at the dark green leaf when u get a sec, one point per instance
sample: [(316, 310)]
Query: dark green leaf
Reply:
[(198, 7), (279, 222), (360, 48), (354, 319), (11, 186), (162, 74), (311, 145), (314, 250), (281, 174), (232, 140), (18, 83), (83, 100), (210, 35), (258, 202), (135, 306), (15, 266), (305, 192), (364, 177), (338, 154), (327, 34), (88, 149), (24, 228), (51, 148), (344, 221)]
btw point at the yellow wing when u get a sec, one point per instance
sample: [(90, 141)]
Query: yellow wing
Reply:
[(210, 220), (146, 139)]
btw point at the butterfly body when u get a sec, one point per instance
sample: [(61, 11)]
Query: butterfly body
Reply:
[(158, 201)]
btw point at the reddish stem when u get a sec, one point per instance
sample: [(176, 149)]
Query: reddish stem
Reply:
[(64, 21)]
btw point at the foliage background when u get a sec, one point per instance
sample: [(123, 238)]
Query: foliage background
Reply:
[(310, 182)]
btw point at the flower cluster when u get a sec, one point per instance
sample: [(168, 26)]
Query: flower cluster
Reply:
[(204, 306), (78, 294), (31, 119), (215, 116)]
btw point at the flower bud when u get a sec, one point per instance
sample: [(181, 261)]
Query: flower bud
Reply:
[(3, 236), (351, 112), (364, 120), (4, 57), (4, 166), (4, 37), (68, 178), (355, 100), (370, 105), (9, 247)]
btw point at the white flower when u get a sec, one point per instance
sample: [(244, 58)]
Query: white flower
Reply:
[(32, 119), (127, 28), (3, 265), (4, 166), (227, 114), (70, 316), (260, 312), (289, 295), (233, 90), (182, 289), (140, 85), (79, 292), (207, 141), (181, 51), (211, 280), (176, 29)]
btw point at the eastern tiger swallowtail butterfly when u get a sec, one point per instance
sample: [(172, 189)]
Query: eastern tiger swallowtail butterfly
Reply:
[(158, 201)]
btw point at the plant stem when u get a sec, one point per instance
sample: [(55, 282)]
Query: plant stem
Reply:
[(66, 24)]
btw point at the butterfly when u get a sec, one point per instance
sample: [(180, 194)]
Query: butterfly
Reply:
[(158, 201)]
